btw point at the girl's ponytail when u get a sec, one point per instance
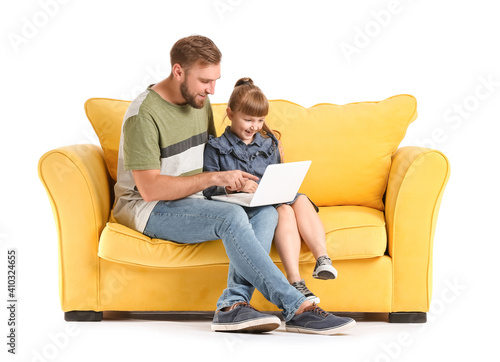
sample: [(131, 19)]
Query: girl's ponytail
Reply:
[(243, 81)]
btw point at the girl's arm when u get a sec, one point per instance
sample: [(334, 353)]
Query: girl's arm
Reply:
[(281, 152)]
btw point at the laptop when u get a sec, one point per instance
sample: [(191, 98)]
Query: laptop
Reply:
[(279, 184)]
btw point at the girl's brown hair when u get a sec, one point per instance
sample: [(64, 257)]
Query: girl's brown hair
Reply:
[(248, 99)]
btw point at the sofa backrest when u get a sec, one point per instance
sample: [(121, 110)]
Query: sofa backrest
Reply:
[(106, 116), (350, 145)]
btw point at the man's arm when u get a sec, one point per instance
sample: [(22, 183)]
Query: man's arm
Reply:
[(153, 186)]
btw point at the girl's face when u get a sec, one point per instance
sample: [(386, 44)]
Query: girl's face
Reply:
[(245, 126)]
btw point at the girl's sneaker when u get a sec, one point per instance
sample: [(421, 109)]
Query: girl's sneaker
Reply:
[(301, 287), (324, 269)]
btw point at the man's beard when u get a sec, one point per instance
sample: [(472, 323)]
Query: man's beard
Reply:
[(189, 97)]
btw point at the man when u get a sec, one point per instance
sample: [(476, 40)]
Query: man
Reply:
[(158, 193)]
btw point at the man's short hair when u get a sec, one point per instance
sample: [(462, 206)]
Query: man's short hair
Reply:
[(191, 49)]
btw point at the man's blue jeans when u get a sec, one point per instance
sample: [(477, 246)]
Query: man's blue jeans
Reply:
[(247, 234)]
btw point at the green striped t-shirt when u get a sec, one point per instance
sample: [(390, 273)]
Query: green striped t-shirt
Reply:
[(157, 135)]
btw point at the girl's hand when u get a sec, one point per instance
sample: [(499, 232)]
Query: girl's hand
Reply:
[(281, 151)]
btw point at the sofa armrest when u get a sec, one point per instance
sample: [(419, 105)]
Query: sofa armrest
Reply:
[(416, 184), (78, 185)]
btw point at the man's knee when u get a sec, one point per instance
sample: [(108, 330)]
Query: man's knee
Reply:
[(271, 213), (233, 214), (236, 217)]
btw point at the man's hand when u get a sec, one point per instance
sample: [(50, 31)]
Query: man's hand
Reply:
[(250, 187), (235, 180)]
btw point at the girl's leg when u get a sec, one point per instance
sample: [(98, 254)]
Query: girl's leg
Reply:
[(287, 241), (313, 233), (310, 226)]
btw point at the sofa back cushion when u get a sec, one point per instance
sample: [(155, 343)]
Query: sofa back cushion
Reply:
[(350, 145), (106, 116)]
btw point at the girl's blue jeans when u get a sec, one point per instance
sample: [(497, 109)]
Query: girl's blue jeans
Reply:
[(247, 234)]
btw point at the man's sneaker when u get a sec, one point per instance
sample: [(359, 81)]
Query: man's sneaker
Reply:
[(301, 287), (317, 321), (242, 317), (324, 269)]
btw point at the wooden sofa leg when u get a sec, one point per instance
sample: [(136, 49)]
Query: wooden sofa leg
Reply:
[(83, 316), (408, 317)]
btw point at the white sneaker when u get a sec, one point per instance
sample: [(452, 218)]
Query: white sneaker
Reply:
[(324, 269)]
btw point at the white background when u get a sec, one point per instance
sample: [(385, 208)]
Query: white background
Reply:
[(57, 54)]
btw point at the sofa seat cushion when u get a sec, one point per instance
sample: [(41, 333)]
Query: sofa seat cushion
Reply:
[(352, 232)]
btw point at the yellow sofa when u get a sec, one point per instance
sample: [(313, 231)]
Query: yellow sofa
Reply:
[(379, 205)]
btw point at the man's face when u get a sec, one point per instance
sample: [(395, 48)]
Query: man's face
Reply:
[(199, 81)]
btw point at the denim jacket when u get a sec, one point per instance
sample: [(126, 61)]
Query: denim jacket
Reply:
[(228, 152)]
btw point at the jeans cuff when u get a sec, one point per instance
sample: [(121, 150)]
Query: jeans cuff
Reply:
[(289, 314)]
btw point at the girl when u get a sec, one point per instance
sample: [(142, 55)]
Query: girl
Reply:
[(250, 145)]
